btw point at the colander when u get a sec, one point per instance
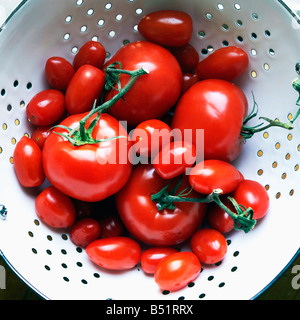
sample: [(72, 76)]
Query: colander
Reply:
[(267, 30)]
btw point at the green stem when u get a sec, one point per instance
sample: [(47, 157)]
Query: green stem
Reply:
[(3, 212)]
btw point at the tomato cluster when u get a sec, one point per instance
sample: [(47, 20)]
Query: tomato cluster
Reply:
[(157, 186)]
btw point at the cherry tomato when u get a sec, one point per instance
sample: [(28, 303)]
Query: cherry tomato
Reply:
[(188, 79), (40, 134), (90, 172), (151, 257), (217, 107), (115, 253), (84, 209), (28, 163), (92, 53), (227, 63), (150, 136), (153, 94), (46, 107), (177, 270), (55, 208), (85, 87), (141, 216), (111, 226), (169, 28), (174, 159), (85, 231), (59, 73), (187, 56), (209, 245), (250, 193), (209, 175)]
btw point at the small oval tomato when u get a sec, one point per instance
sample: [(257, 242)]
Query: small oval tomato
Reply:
[(115, 253), (55, 208), (46, 107), (84, 89), (169, 28), (85, 231), (209, 175), (28, 163), (59, 73), (209, 245), (40, 134), (188, 79), (174, 159), (187, 56), (151, 257), (92, 52), (111, 226), (226, 63), (177, 270)]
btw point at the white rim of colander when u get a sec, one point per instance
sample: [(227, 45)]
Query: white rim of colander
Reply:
[(17, 273)]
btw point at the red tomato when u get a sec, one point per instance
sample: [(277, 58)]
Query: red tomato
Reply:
[(150, 136), (217, 107), (55, 208), (111, 226), (85, 87), (90, 172), (153, 94), (85, 231), (252, 194), (209, 245), (177, 270), (59, 73), (169, 28), (226, 63), (209, 175), (46, 107), (151, 257), (142, 218), (92, 52), (187, 56), (115, 253), (84, 209), (28, 163), (40, 134), (188, 79), (174, 159)]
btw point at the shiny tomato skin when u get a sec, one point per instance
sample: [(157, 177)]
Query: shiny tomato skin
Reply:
[(218, 107), (209, 245), (59, 73), (55, 208), (40, 134), (46, 107), (187, 56), (153, 94), (92, 53), (188, 80), (85, 87), (152, 256), (111, 226), (209, 175), (89, 172), (85, 231), (227, 63), (169, 28), (142, 218), (177, 270), (28, 163), (115, 253)]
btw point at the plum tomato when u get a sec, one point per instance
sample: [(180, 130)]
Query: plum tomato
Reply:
[(85, 231), (40, 134), (187, 56), (188, 80)]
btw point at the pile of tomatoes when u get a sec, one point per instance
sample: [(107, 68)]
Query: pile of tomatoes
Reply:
[(102, 133)]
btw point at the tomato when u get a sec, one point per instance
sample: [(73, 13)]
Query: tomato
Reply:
[(209, 245), (167, 27), (150, 136), (59, 73), (84, 209), (209, 175), (40, 134), (92, 53), (115, 253), (90, 172), (174, 159), (151, 257), (111, 226), (188, 79), (85, 87), (187, 56), (28, 163), (250, 193), (142, 218), (46, 107), (218, 107), (227, 63), (55, 208), (153, 94), (177, 270), (85, 231)]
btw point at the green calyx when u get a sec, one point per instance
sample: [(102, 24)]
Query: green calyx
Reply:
[(3, 212)]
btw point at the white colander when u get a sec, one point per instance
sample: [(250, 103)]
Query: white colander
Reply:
[(270, 34)]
